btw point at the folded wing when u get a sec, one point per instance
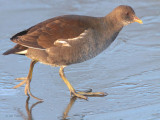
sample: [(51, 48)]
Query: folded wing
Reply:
[(46, 34)]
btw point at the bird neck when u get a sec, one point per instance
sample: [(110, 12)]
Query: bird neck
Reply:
[(113, 22), (113, 26), (110, 30)]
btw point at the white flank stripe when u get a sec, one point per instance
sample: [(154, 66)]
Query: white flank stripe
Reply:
[(80, 36), (62, 43)]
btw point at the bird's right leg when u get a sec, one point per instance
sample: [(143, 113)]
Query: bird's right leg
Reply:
[(27, 80), (71, 89), (79, 93)]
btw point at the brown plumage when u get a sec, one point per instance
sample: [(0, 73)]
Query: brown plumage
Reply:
[(70, 39)]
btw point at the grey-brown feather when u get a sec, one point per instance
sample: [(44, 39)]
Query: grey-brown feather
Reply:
[(63, 40)]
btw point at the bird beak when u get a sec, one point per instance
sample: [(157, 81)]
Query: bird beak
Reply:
[(136, 19)]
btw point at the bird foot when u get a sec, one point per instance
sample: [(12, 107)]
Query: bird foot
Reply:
[(94, 94), (83, 94), (27, 91), (21, 83), (78, 95)]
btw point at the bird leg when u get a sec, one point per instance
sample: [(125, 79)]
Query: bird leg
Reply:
[(27, 80), (72, 90)]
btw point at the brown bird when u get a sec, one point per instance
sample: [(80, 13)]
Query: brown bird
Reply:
[(69, 39)]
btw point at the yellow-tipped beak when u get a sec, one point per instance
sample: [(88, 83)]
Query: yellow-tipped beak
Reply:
[(136, 19)]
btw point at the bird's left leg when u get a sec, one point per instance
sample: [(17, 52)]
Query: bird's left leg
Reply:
[(27, 80)]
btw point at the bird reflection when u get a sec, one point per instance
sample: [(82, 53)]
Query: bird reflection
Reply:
[(28, 110), (68, 108)]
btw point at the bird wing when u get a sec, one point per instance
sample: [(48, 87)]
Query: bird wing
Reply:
[(44, 35)]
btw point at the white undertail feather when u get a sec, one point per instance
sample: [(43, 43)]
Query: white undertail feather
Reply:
[(22, 52)]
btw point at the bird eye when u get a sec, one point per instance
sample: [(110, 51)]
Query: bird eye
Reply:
[(127, 13)]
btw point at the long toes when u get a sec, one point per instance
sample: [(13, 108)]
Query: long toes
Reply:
[(79, 95), (93, 93), (84, 97), (27, 88), (34, 96), (100, 93), (22, 78), (20, 84), (28, 92), (104, 93), (84, 91)]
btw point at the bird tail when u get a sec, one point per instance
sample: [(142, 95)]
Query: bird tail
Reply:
[(18, 49), (10, 51)]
